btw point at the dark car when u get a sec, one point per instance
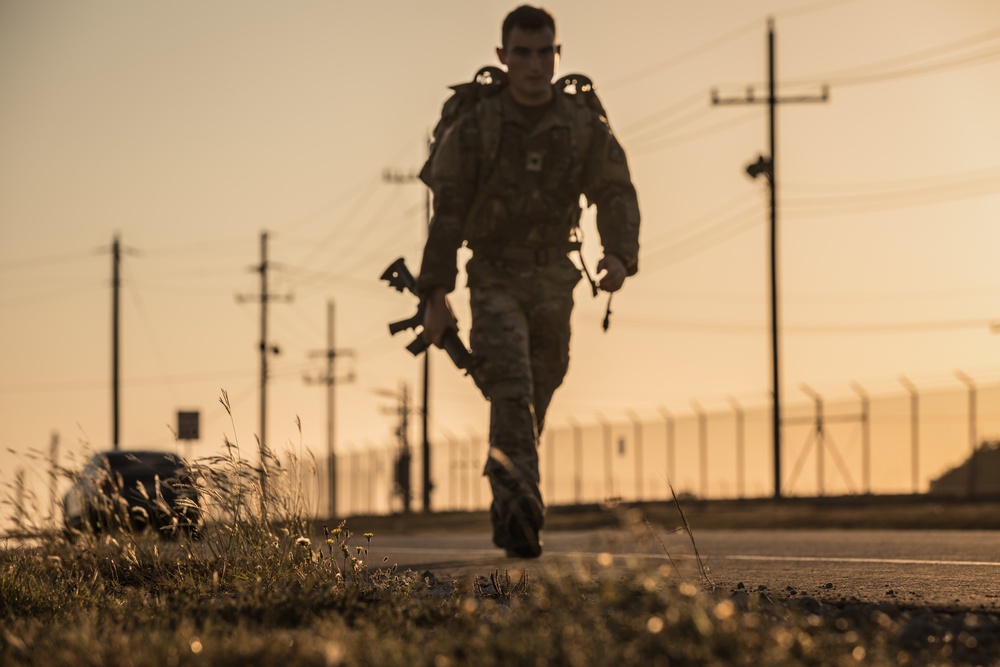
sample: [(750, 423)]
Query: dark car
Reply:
[(133, 490)]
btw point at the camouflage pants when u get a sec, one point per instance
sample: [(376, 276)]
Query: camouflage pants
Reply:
[(520, 331)]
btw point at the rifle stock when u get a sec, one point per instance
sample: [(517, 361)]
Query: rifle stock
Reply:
[(409, 323), (417, 346)]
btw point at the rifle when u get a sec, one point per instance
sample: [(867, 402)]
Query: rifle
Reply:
[(399, 277)]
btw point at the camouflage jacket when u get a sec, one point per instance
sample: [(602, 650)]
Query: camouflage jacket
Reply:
[(498, 185)]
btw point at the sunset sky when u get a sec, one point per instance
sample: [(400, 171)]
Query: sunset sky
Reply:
[(190, 127)]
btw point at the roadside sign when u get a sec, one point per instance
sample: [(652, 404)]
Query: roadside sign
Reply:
[(187, 424)]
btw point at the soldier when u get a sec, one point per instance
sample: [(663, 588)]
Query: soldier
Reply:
[(507, 177)]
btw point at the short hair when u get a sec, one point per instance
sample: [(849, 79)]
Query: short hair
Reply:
[(526, 17)]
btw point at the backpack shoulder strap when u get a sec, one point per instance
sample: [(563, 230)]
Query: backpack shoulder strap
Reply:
[(466, 97)]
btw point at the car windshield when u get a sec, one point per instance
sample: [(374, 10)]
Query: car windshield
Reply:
[(142, 463)]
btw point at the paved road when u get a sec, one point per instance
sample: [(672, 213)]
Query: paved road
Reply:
[(944, 569)]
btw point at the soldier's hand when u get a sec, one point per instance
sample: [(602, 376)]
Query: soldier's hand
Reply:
[(438, 317), (614, 273)]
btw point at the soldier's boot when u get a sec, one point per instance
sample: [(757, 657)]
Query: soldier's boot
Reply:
[(517, 523), (524, 518)]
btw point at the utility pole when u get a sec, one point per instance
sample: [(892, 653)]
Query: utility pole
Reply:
[(402, 464), (116, 285), (116, 369), (265, 349), (330, 380), (767, 167), (397, 178)]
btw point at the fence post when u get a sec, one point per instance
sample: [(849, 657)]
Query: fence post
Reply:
[(453, 471), (609, 477), (477, 471), (637, 439), (577, 460), (914, 431), (740, 446), (971, 384), (702, 448), (866, 485), (820, 455), (668, 423)]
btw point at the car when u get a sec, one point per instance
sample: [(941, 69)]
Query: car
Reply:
[(133, 490)]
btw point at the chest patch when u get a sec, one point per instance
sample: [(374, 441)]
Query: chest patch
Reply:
[(534, 161)]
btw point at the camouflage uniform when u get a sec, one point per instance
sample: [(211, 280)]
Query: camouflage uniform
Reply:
[(512, 194)]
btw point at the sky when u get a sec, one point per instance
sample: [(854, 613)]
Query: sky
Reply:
[(190, 128)]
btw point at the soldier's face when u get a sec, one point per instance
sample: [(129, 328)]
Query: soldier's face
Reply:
[(530, 57)]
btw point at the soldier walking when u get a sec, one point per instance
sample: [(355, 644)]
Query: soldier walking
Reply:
[(507, 174)]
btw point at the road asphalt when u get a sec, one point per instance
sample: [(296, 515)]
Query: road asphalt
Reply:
[(940, 569)]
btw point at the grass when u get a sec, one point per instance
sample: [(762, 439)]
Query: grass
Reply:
[(262, 588), (306, 605)]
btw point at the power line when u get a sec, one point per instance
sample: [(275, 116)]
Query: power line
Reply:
[(47, 260), (671, 61), (663, 114), (670, 142), (365, 230), (210, 246), (712, 44), (893, 327), (696, 232), (848, 75), (79, 385), (697, 223), (924, 326), (390, 235), (894, 297), (652, 134), (336, 230), (709, 238), (853, 298), (877, 201), (395, 234), (992, 173), (185, 291), (212, 271), (52, 295), (822, 5), (333, 203), (140, 308), (297, 309), (850, 298), (343, 280), (974, 59)]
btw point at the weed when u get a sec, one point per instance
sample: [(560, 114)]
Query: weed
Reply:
[(702, 570), (499, 586)]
